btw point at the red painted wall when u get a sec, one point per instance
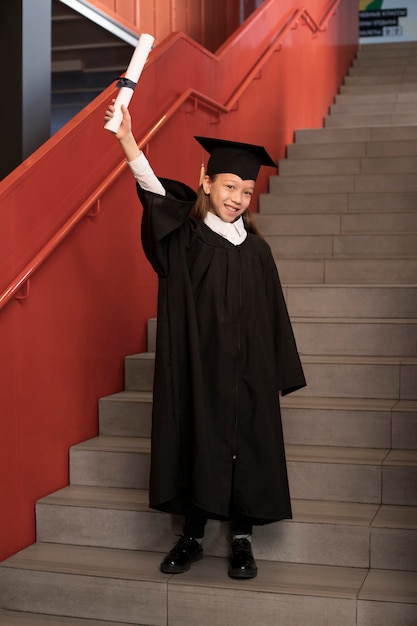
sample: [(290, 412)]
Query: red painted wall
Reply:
[(207, 21), (62, 348)]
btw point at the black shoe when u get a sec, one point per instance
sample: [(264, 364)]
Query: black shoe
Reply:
[(179, 559), (242, 563)]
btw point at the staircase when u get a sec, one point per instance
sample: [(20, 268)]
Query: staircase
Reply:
[(86, 59), (341, 220)]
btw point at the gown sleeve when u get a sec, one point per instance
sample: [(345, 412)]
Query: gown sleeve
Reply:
[(163, 215), (289, 368)]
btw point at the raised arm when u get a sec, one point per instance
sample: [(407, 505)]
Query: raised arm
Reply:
[(124, 134), (138, 163)]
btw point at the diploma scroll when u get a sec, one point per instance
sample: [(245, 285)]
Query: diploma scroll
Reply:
[(128, 82)]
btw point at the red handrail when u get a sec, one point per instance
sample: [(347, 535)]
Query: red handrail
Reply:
[(24, 276)]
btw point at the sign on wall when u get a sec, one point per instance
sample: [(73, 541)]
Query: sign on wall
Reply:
[(387, 21)]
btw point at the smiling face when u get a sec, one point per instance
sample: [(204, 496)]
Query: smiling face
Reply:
[(230, 196)]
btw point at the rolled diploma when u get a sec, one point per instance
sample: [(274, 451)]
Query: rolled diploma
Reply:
[(133, 73)]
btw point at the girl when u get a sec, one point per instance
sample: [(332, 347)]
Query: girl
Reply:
[(224, 351)]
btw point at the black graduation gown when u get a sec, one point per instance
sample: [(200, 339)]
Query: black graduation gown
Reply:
[(224, 349)]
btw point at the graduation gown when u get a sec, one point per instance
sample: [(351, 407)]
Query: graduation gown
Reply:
[(224, 349)]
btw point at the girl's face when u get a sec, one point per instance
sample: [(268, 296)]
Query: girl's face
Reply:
[(230, 196)]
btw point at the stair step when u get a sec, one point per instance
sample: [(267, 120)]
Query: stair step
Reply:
[(315, 472), (338, 135), (396, 80), (89, 583), (351, 149), (306, 420), (350, 422), (84, 515), (404, 69), (360, 377), (378, 65), (371, 337), (400, 609), (125, 414), (137, 592), (367, 98), (17, 618), (362, 183), (363, 165), (391, 49), (387, 246), (111, 461), (328, 376), (377, 301), (347, 271), (337, 202), (322, 224), (367, 119), (360, 108), (391, 549), (362, 89)]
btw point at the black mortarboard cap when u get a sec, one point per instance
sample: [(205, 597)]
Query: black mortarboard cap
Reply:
[(234, 157)]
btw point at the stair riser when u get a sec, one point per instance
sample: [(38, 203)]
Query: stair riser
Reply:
[(326, 166), (399, 485), (84, 596), (376, 119), (372, 183), (353, 89), (371, 339), (397, 245), (155, 604), (338, 135), (335, 224), (404, 430), (352, 150), (381, 613), (395, 80), (337, 203), (408, 68), (308, 481), (294, 542), (110, 469), (372, 108), (336, 427), (326, 427), (358, 302), (334, 380), (330, 380), (347, 271), (392, 549), (125, 419), (357, 380), (375, 98)]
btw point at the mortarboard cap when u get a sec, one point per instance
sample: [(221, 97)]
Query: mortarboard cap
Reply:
[(234, 157)]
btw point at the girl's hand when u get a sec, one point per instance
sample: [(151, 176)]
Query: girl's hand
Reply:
[(124, 134), (126, 125)]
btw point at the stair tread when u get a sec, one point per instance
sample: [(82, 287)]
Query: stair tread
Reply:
[(362, 404), (311, 511), (295, 452), (211, 572), (129, 396), (105, 443), (17, 618)]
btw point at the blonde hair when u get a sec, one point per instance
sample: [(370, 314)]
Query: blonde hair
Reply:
[(202, 207)]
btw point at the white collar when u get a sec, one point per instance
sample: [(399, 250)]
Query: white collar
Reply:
[(235, 232)]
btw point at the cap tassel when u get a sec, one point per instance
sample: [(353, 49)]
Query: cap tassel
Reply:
[(202, 174)]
